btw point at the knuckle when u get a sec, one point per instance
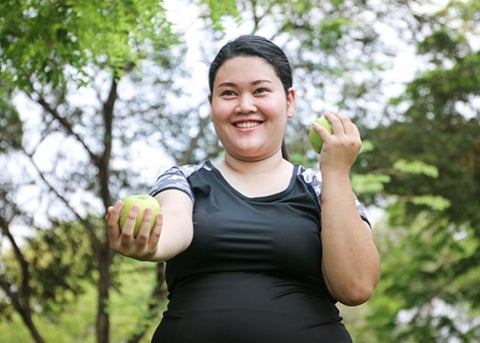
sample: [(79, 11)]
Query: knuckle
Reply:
[(142, 237), (126, 239)]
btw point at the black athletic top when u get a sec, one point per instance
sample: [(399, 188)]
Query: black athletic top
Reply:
[(253, 270)]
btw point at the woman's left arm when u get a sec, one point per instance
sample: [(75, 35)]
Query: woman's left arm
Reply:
[(350, 259)]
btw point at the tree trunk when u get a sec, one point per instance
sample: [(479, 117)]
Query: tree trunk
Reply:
[(105, 254), (27, 319), (24, 311), (104, 283)]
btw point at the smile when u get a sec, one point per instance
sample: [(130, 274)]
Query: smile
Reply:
[(247, 124)]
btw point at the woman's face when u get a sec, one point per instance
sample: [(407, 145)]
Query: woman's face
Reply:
[(250, 108)]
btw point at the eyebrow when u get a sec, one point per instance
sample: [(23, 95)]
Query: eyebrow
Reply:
[(233, 84)]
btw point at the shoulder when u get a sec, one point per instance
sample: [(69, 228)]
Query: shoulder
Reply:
[(176, 177), (311, 177)]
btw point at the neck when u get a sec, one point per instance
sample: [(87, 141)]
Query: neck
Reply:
[(254, 166)]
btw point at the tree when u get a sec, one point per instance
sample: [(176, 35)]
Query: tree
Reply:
[(50, 54), (431, 257)]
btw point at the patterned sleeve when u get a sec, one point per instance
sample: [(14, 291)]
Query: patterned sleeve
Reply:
[(173, 178), (314, 178), (362, 211)]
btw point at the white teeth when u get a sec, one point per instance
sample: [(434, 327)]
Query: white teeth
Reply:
[(246, 125)]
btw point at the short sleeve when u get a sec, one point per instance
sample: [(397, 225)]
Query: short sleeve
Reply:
[(173, 178), (314, 179)]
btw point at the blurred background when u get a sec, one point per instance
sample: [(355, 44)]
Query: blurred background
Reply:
[(97, 98)]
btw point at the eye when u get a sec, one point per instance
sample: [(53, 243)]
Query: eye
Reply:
[(228, 93), (261, 90)]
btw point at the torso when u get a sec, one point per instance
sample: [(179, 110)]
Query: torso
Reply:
[(253, 270)]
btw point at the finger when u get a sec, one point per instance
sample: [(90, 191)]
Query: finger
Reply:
[(353, 130), (109, 210), (320, 129), (156, 232), (144, 231), (128, 228), (346, 121), (334, 118), (113, 213), (349, 127)]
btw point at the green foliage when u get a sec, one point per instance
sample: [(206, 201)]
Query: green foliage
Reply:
[(10, 125), (219, 9), (429, 244), (415, 167), (369, 183), (436, 203), (43, 43), (331, 31), (53, 52), (77, 320), (447, 144), (451, 30), (420, 296), (132, 308), (60, 263)]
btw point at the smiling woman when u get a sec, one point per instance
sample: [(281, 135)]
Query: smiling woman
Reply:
[(257, 249), (250, 108)]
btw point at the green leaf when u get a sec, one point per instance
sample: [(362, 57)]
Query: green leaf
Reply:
[(369, 183), (220, 9), (437, 203), (415, 167)]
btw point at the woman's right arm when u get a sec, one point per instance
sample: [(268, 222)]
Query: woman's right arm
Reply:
[(172, 233)]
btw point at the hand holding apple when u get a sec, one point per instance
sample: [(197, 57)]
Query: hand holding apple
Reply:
[(142, 201), (315, 138)]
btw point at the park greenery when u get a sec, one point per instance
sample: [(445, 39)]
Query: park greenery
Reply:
[(97, 97)]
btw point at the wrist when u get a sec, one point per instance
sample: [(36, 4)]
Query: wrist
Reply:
[(335, 173)]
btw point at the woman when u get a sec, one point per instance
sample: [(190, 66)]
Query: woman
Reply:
[(257, 249)]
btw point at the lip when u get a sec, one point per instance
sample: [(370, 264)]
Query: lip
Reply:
[(247, 123)]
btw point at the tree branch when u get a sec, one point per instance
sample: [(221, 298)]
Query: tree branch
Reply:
[(85, 223), (21, 298), (64, 123)]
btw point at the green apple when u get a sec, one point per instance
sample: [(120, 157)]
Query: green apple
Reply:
[(142, 201), (315, 138)]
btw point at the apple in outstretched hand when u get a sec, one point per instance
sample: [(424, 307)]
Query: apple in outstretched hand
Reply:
[(142, 201), (315, 138)]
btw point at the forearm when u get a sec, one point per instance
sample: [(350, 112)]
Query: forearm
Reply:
[(177, 226), (351, 264), (176, 236)]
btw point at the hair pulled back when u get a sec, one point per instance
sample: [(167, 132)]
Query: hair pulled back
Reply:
[(252, 45)]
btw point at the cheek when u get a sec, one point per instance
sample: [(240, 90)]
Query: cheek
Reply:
[(220, 111)]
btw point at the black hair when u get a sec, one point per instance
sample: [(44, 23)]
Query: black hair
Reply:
[(252, 45)]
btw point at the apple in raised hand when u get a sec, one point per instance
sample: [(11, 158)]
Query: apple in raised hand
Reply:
[(315, 138), (142, 201)]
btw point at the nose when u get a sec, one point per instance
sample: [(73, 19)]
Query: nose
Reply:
[(246, 104)]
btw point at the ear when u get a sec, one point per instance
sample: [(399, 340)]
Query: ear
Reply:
[(209, 98), (291, 102)]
